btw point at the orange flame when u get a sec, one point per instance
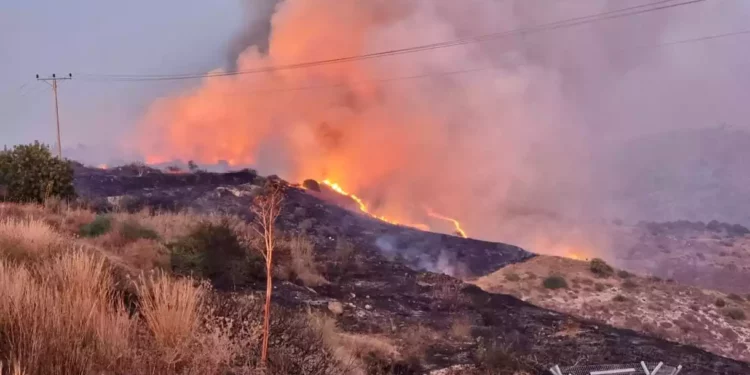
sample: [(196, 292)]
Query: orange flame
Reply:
[(455, 222), (363, 207)]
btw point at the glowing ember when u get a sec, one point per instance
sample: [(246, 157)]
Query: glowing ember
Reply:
[(102, 166), (455, 222), (363, 207)]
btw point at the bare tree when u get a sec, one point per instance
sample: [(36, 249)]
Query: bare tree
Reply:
[(267, 208)]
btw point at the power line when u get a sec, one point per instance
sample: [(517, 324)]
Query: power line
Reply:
[(618, 13), (54, 80), (479, 69)]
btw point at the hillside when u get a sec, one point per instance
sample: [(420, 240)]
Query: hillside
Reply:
[(708, 319), (386, 289), (709, 255)]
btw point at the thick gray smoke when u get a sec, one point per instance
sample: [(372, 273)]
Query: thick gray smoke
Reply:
[(523, 139)]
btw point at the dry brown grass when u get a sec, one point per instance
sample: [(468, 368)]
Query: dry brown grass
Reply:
[(348, 349), (28, 239), (63, 316), (461, 328), (171, 309), (302, 261), (145, 254)]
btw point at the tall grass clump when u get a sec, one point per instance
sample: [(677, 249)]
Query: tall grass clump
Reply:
[(28, 239), (62, 317), (171, 309)]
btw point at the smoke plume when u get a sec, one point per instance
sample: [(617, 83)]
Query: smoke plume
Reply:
[(512, 136)]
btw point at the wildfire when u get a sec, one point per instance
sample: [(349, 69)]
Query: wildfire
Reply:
[(363, 207), (455, 222)]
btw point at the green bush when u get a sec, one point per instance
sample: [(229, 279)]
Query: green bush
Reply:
[(101, 225), (214, 251), (555, 282), (601, 268), (131, 230), (31, 174), (735, 313)]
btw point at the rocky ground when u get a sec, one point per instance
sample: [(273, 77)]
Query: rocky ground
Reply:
[(402, 286), (689, 315)]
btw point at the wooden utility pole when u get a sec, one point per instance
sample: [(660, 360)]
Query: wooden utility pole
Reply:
[(54, 80)]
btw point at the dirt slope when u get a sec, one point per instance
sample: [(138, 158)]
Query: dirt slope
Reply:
[(676, 312)]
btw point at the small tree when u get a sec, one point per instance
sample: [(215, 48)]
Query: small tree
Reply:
[(31, 174), (267, 208)]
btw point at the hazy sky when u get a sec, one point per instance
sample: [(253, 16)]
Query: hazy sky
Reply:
[(101, 37)]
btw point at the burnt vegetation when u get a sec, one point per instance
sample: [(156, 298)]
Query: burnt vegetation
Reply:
[(188, 290)]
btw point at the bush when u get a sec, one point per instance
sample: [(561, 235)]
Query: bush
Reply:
[(600, 287), (601, 268), (555, 282), (131, 230), (735, 313), (720, 302), (311, 185), (101, 225), (214, 251), (619, 298), (31, 174), (623, 274), (512, 277), (629, 284)]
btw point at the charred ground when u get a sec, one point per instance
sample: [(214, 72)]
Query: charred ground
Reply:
[(390, 285)]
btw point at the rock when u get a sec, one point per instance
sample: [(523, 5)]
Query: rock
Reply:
[(336, 307), (368, 307)]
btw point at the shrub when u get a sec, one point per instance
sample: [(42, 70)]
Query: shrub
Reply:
[(619, 298), (131, 230), (601, 268), (302, 259), (29, 239), (600, 287), (311, 185), (623, 274), (214, 251), (101, 225), (512, 277), (720, 302), (735, 313), (31, 174), (629, 284), (555, 282)]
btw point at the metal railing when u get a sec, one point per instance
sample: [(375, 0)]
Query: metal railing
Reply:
[(618, 369)]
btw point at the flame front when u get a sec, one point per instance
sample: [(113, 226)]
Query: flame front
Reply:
[(455, 222), (363, 207)]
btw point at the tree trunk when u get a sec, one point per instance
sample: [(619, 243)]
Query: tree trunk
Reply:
[(267, 312)]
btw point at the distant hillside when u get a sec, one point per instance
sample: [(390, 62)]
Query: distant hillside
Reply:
[(707, 319), (698, 174)]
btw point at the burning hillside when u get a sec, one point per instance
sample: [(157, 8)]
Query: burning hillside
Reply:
[(443, 153)]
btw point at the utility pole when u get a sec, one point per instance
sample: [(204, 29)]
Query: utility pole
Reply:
[(54, 80)]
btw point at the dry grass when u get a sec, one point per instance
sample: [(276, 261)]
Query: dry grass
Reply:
[(302, 261), (62, 317), (461, 329), (171, 310), (349, 350), (28, 239)]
